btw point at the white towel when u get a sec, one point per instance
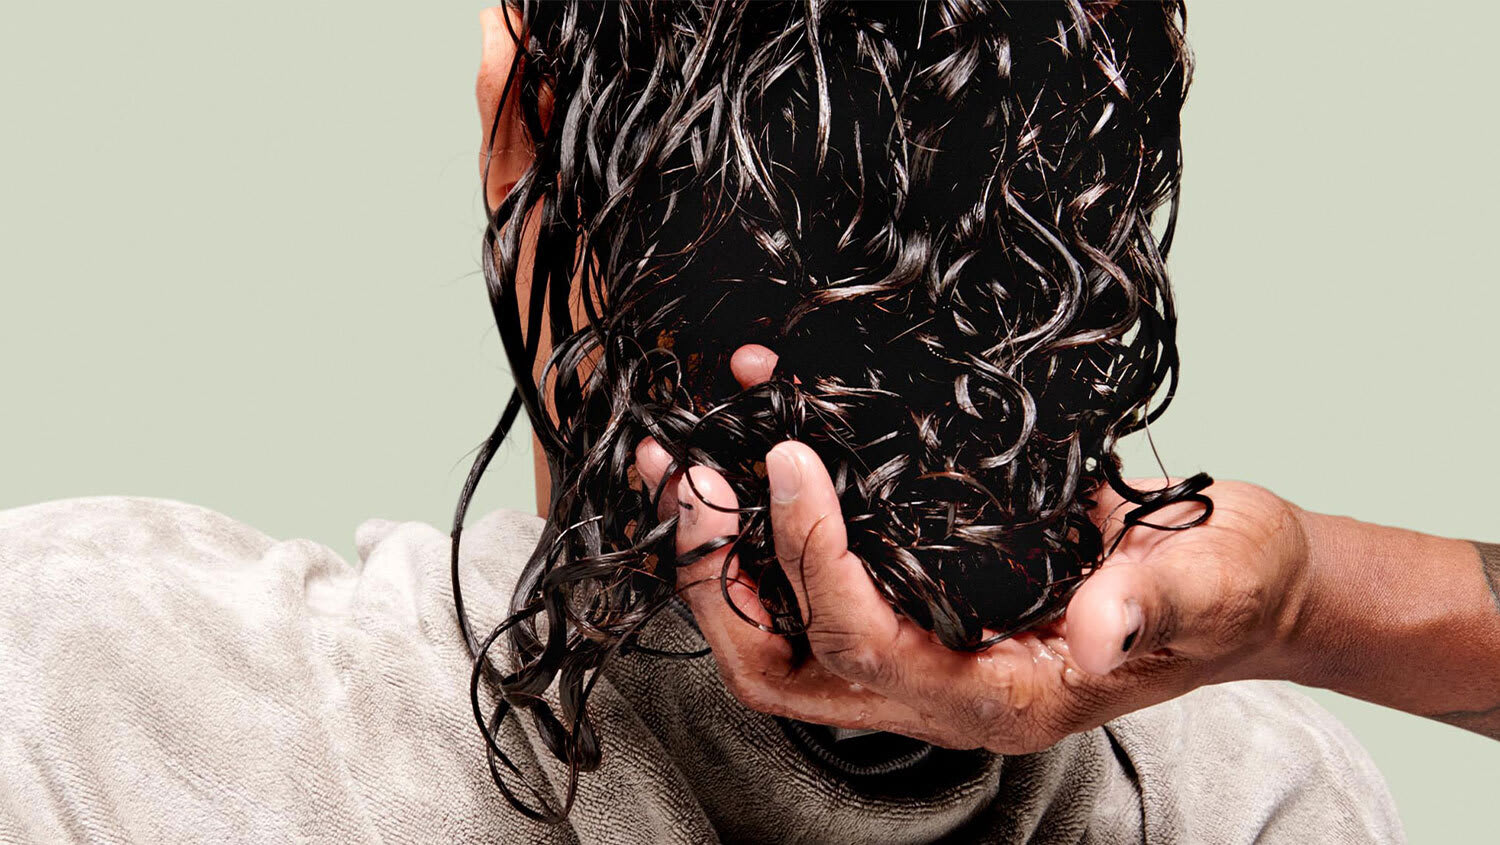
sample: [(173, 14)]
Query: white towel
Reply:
[(170, 674)]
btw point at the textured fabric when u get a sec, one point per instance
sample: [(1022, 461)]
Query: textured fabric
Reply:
[(171, 674)]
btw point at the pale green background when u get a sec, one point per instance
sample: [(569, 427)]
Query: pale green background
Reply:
[(238, 267)]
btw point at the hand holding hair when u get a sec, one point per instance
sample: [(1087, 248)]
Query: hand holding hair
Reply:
[(964, 338), (1262, 589)]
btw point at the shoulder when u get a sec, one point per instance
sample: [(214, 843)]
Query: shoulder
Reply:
[(96, 551), (113, 524), (86, 558), (140, 626), (412, 564), (1254, 760), (112, 568), (108, 559), (127, 540), (198, 651)]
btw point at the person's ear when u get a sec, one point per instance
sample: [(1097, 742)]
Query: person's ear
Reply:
[(506, 155)]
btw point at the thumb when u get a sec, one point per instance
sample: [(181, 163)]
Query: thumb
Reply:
[(1132, 608)]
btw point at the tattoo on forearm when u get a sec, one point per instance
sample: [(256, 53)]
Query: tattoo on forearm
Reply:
[(1486, 722), (1489, 561)]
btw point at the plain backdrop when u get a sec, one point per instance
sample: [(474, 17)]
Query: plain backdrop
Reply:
[(239, 267)]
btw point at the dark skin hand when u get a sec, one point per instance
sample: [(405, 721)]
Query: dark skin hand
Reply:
[(1263, 589)]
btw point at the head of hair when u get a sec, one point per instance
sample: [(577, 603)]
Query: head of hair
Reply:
[(942, 216)]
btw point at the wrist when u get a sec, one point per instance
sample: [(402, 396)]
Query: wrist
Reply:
[(1277, 645), (1313, 634), (1296, 563), (1390, 616)]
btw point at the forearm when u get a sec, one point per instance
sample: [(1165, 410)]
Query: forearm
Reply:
[(1399, 618)]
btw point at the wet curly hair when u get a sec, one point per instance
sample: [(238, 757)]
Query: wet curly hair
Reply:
[(940, 215)]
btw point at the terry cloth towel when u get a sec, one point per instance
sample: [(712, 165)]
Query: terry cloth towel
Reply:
[(170, 674)]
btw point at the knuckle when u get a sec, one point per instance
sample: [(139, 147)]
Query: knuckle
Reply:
[(985, 718), (788, 558), (1001, 718), (852, 660)]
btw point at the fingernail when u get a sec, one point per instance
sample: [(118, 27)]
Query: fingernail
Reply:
[(785, 476), (686, 513), (1134, 622)]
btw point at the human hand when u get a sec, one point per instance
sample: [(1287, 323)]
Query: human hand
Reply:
[(1168, 611)]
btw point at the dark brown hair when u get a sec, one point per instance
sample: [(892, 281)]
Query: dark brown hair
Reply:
[(939, 215)]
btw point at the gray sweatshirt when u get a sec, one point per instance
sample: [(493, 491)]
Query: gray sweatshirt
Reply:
[(170, 674)]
